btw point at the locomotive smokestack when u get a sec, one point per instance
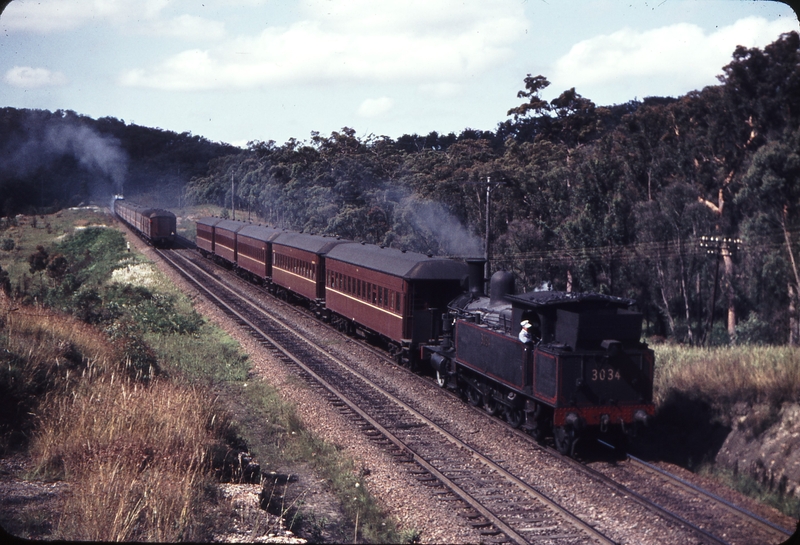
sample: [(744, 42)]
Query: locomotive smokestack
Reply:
[(476, 280)]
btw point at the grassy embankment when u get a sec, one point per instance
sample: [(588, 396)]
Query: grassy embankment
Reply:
[(108, 381), (722, 377)]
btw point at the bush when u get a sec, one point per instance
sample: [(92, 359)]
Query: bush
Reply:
[(7, 245), (756, 331)]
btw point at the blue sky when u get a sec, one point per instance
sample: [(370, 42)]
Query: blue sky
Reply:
[(240, 70)]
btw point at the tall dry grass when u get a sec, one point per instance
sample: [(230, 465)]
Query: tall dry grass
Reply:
[(47, 338), (137, 455), (725, 375)]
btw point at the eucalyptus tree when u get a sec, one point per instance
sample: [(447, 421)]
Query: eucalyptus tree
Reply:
[(770, 196)]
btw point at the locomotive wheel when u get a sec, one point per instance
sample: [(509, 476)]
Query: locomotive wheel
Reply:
[(474, 397), (490, 405), (441, 379), (514, 417), (565, 440), (536, 432)]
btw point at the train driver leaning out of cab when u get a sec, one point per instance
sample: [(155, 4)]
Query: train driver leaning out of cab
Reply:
[(525, 335)]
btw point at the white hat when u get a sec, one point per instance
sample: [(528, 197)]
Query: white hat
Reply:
[(525, 324)]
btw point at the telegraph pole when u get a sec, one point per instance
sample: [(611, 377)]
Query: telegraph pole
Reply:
[(718, 247), (490, 187)]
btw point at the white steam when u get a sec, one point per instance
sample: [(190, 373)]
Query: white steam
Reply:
[(438, 230), (98, 154)]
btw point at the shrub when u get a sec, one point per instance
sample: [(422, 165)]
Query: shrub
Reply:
[(756, 331)]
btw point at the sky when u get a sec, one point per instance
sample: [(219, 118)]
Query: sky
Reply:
[(237, 71)]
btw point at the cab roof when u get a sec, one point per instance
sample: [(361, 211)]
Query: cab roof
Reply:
[(566, 299)]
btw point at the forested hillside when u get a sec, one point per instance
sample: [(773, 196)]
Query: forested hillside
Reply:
[(689, 205), (52, 160)]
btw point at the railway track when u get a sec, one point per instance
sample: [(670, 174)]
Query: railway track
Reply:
[(719, 519), (505, 507)]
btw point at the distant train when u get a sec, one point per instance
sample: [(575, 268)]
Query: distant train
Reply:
[(155, 225), (584, 371)]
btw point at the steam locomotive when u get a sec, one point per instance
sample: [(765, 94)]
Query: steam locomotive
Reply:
[(584, 370)]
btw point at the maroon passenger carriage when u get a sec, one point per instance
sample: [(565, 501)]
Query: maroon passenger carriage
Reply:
[(395, 295), (204, 239), (225, 239), (298, 266), (254, 251)]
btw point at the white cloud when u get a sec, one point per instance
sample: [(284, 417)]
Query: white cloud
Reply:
[(667, 61), (375, 107), (51, 15), (188, 27), (405, 41), (442, 89), (144, 17), (26, 77)]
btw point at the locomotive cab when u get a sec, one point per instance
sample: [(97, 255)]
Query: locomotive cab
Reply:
[(590, 367)]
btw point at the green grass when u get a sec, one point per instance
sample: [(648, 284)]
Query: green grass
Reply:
[(207, 355), (747, 485), (32, 231)]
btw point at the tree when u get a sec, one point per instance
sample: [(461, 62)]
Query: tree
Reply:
[(770, 195), (38, 260)]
